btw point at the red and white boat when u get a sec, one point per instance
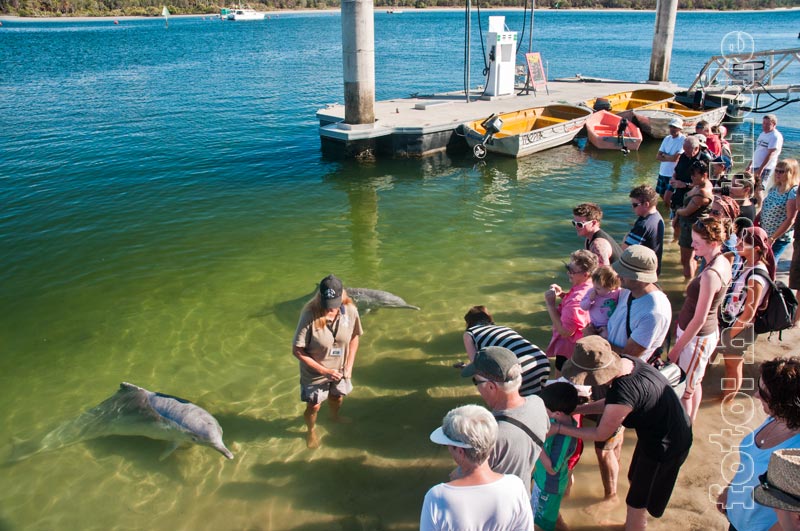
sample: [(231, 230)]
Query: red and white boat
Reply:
[(610, 131)]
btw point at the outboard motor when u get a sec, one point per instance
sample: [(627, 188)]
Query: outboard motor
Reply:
[(601, 104), (621, 128), (492, 125)]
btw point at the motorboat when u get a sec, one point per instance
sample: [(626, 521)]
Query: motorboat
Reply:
[(527, 131), (246, 13), (654, 119), (624, 102), (607, 130)]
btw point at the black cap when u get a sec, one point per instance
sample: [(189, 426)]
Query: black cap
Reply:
[(330, 292)]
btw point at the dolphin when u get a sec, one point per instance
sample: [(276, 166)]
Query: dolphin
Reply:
[(135, 411), (367, 299)]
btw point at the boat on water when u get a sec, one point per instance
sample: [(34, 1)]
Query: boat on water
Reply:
[(607, 130), (654, 119), (245, 13), (521, 133), (624, 102), (394, 11)]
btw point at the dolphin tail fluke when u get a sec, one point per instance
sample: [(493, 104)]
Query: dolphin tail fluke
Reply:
[(21, 450)]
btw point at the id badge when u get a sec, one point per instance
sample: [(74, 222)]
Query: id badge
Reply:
[(337, 352)]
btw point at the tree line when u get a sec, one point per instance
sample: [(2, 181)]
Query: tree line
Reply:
[(34, 8)]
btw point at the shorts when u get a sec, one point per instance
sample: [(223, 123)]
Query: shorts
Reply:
[(738, 345), (685, 237), (612, 442), (545, 513), (318, 393), (662, 184), (652, 481), (693, 359)]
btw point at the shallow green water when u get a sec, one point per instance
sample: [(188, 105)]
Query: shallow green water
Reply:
[(155, 230)]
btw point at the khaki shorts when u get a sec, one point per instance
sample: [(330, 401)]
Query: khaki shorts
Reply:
[(318, 393)]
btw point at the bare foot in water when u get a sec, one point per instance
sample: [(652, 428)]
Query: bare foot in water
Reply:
[(602, 511), (312, 441)]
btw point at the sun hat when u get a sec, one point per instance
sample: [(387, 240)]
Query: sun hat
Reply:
[(637, 262), (493, 363), (330, 292), (702, 139), (676, 122), (438, 436), (592, 363), (780, 485)]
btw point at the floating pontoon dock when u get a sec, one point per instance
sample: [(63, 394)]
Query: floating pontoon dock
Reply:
[(421, 125)]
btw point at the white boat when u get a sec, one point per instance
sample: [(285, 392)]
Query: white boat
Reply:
[(525, 132), (245, 14), (654, 119), (394, 11)]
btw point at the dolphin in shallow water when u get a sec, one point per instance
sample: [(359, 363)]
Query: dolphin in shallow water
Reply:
[(367, 299), (133, 410)]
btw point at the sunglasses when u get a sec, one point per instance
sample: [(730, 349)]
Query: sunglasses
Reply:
[(636, 205), (570, 271), (580, 224), (779, 171), (775, 491), (477, 382)]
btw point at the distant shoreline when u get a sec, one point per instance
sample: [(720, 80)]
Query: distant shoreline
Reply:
[(15, 18)]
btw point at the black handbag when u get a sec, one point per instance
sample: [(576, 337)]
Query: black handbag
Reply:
[(671, 371)]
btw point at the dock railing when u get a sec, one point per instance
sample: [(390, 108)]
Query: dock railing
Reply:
[(750, 72)]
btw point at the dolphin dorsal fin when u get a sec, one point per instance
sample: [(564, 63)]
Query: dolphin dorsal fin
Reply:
[(125, 386)]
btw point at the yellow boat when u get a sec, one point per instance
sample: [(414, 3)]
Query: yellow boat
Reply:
[(525, 132), (623, 103)]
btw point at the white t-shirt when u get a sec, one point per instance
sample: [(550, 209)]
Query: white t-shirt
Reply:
[(500, 506), (650, 318), (670, 146), (765, 142)]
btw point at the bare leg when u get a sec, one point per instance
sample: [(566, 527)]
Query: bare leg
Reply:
[(691, 402), (335, 404), (688, 263), (608, 461), (310, 416), (733, 371), (676, 229), (636, 519)]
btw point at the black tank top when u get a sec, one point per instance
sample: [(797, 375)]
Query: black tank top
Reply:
[(616, 250)]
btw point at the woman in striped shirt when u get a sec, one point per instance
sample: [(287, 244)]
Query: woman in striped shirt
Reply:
[(482, 332)]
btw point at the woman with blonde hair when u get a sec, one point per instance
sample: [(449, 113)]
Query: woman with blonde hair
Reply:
[(326, 342), (697, 332), (779, 209)]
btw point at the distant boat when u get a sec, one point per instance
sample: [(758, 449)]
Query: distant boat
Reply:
[(521, 133), (394, 11), (165, 14), (246, 13), (611, 131), (654, 119)]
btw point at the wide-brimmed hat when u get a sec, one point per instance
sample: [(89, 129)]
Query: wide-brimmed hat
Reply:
[(676, 122), (592, 363), (330, 292), (702, 139), (637, 262), (780, 486), (493, 363)]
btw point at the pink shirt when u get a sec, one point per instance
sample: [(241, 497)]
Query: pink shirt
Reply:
[(602, 307), (572, 316)]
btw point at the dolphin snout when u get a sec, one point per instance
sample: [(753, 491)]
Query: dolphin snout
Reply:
[(223, 450)]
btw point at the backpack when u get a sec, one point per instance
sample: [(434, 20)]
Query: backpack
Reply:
[(779, 309)]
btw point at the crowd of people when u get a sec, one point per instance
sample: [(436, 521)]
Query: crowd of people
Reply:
[(605, 367)]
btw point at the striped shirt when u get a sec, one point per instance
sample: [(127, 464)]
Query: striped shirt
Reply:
[(535, 365)]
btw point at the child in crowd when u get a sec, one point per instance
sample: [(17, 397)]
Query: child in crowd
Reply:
[(601, 300), (552, 474)]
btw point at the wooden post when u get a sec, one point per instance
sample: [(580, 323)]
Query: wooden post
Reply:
[(666, 12), (358, 57)]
